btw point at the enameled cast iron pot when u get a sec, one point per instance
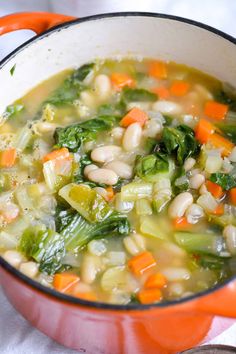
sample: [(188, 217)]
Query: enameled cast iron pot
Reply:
[(94, 327)]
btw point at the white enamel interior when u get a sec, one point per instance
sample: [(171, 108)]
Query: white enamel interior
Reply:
[(76, 44)]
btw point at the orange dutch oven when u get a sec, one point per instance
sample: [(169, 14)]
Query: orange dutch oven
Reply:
[(93, 327)]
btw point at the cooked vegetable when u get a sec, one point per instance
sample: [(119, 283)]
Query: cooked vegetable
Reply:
[(7, 158), (13, 110), (141, 263), (180, 141), (135, 115), (215, 110), (204, 130), (161, 92), (179, 88), (157, 69), (157, 280), (62, 153), (220, 142), (232, 195), (44, 246), (138, 95), (120, 80), (214, 188), (73, 136), (151, 167), (181, 224), (71, 87), (63, 282), (223, 180), (77, 232), (148, 296)]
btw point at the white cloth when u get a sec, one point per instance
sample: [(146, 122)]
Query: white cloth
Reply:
[(16, 335)]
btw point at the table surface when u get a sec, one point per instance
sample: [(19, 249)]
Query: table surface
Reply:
[(17, 336)]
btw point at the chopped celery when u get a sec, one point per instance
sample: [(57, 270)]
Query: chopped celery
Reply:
[(160, 200), (50, 174), (48, 113), (23, 138), (136, 190), (143, 207), (200, 242), (23, 199), (122, 206), (151, 227), (7, 240), (86, 201)]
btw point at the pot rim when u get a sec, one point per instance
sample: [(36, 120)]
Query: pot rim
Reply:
[(70, 300)]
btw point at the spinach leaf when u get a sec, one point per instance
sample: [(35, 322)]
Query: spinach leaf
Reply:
[(151, 167), (13, 110), (224, 180), (212, 262), (71, 87), (225, 98), (46, 247), (78, 232), (181, 182), (74, 135), (180, 141), (229, 130), (138, 95)]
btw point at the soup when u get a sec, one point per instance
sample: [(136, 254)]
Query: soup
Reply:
[(118, 182)]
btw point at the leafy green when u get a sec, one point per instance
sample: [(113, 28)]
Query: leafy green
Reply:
[(226, 98), (226, 181), (211, 262), (78, 232), (150, 167), (46, 247), (138, 95), (13, 110), (71, 87), (74, 135), (180, 141), (181, 182), (12, 70), (229, 130)]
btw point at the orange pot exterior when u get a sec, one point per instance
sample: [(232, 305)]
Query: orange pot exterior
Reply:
[(155, 330)]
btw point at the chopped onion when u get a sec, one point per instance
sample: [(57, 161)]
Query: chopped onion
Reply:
[(213, 164), (207, 202), (23, 138)]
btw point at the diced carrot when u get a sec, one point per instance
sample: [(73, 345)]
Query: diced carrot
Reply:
[(204, 130), (179, 88), (215, 110), (120, 80), (62, 153), (232, 195), (219, 141), (135, 115), (157, 280), (110, 193), (219, 210), (214, 189), (7, 158), (181, 223), (142, 262), (148, 296), (10, 212), (157, 69), (64, 281), (88, 295), (162, 92)]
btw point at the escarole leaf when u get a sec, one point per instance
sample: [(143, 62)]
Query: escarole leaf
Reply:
[(151, 167), (13, 110), (46, 247), (226, 181), (78, 232), (180, 141), (138, 95), (71, 87), (74, 135), (228, 98)]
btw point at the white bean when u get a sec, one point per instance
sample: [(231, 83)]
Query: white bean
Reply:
[(145, 106), (105, 153), (194, 213), (175, 274), (140, 241), (29, 268), (117, 133), (102, 86), (132, 137), (103, 175), (14, 258), (131, 246), (202, 91), (189, 163), (97, 247), (152, 128), (89, 168), (179, 205), (203, 189), (167, 107), (175, 289), (89, 268), (207, 202), (196, 181), (87, 98), (230, 235), (121, 168)]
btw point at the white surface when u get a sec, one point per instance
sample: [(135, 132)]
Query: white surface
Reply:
[(16, 335)]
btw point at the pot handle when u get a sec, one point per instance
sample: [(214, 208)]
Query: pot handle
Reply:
[(221, 302), (35, 21)]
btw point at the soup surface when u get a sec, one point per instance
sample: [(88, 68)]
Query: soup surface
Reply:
[(118, 182)]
